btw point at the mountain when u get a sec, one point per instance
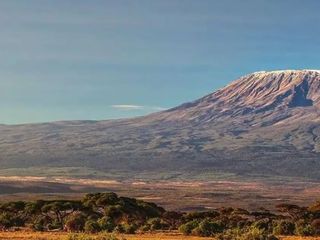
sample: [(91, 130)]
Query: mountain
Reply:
[(265, 124)]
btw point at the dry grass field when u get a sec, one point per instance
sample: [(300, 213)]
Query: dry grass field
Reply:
[(22, 235), (172, 195)]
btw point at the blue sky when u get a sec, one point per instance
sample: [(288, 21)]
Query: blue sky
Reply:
[(76, 59)]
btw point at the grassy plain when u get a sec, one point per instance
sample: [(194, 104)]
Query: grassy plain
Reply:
[(21, 235), (170, 194), (25, 235)]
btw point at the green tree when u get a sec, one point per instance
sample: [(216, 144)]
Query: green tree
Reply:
[(91, 226), (75, 222)]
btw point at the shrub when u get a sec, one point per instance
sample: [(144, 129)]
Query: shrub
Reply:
[(54, 225), (207, 228), (82, 236), (119, 229), (38, 227), (157, 224), (75, 222), (187, 228), (129, 228), (39, 224), (106, 224), (316, 226), (304, 229), (254, 233), (230, 234), (251, 233), (145, 228), (6, 221), (283, 227), (91, 226), (113, 211), (262, 224)]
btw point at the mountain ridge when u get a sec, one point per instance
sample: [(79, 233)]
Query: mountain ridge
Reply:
[(264, 123)]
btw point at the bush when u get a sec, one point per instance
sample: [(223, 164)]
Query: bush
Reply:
[(154, 223), (283, 227), (129, 228), (75, 222), (82, 236), (119, 229), (304, 229), (54, 225), (316, 226), (157, 224), (8, 220), (91, 226), (187, 228), (256, 234), (207, 228), (251, 233), (39, 224), (262, 224), (106, 224), (145, 228), (113, 211), (38, 227)]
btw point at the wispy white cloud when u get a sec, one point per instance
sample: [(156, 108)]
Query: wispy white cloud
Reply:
[(158, 108), (137, 107), (127, 107)]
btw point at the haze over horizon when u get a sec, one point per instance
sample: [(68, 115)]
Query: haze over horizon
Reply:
[(73, 60)]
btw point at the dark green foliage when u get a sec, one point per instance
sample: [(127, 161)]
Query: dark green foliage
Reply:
[(6, 220), (303, 228), (263, 224), (284, 227), (99, 200), (188, 227), (157, 224), (91, 226), (173, 219), (245, 234), (109, 213), (200, 215), (129, 228), (106, 224), (208, 228), (39, 224), (75, 222), (119, 229)]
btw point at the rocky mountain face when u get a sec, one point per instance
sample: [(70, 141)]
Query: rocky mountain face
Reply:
[(263, 124)]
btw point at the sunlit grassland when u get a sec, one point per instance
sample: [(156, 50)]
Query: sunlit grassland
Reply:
[(28, 235)]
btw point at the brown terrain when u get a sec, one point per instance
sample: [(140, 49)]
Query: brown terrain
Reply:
[(174, 195)]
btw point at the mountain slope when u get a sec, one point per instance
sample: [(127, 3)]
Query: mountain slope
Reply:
[(265, 123)]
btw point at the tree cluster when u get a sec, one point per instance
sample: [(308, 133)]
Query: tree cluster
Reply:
[(107, 212)]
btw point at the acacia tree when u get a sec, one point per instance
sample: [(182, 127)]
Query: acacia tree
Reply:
[(57, 211)]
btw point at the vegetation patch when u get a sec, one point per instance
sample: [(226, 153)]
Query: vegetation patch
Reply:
[(102, 215)]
